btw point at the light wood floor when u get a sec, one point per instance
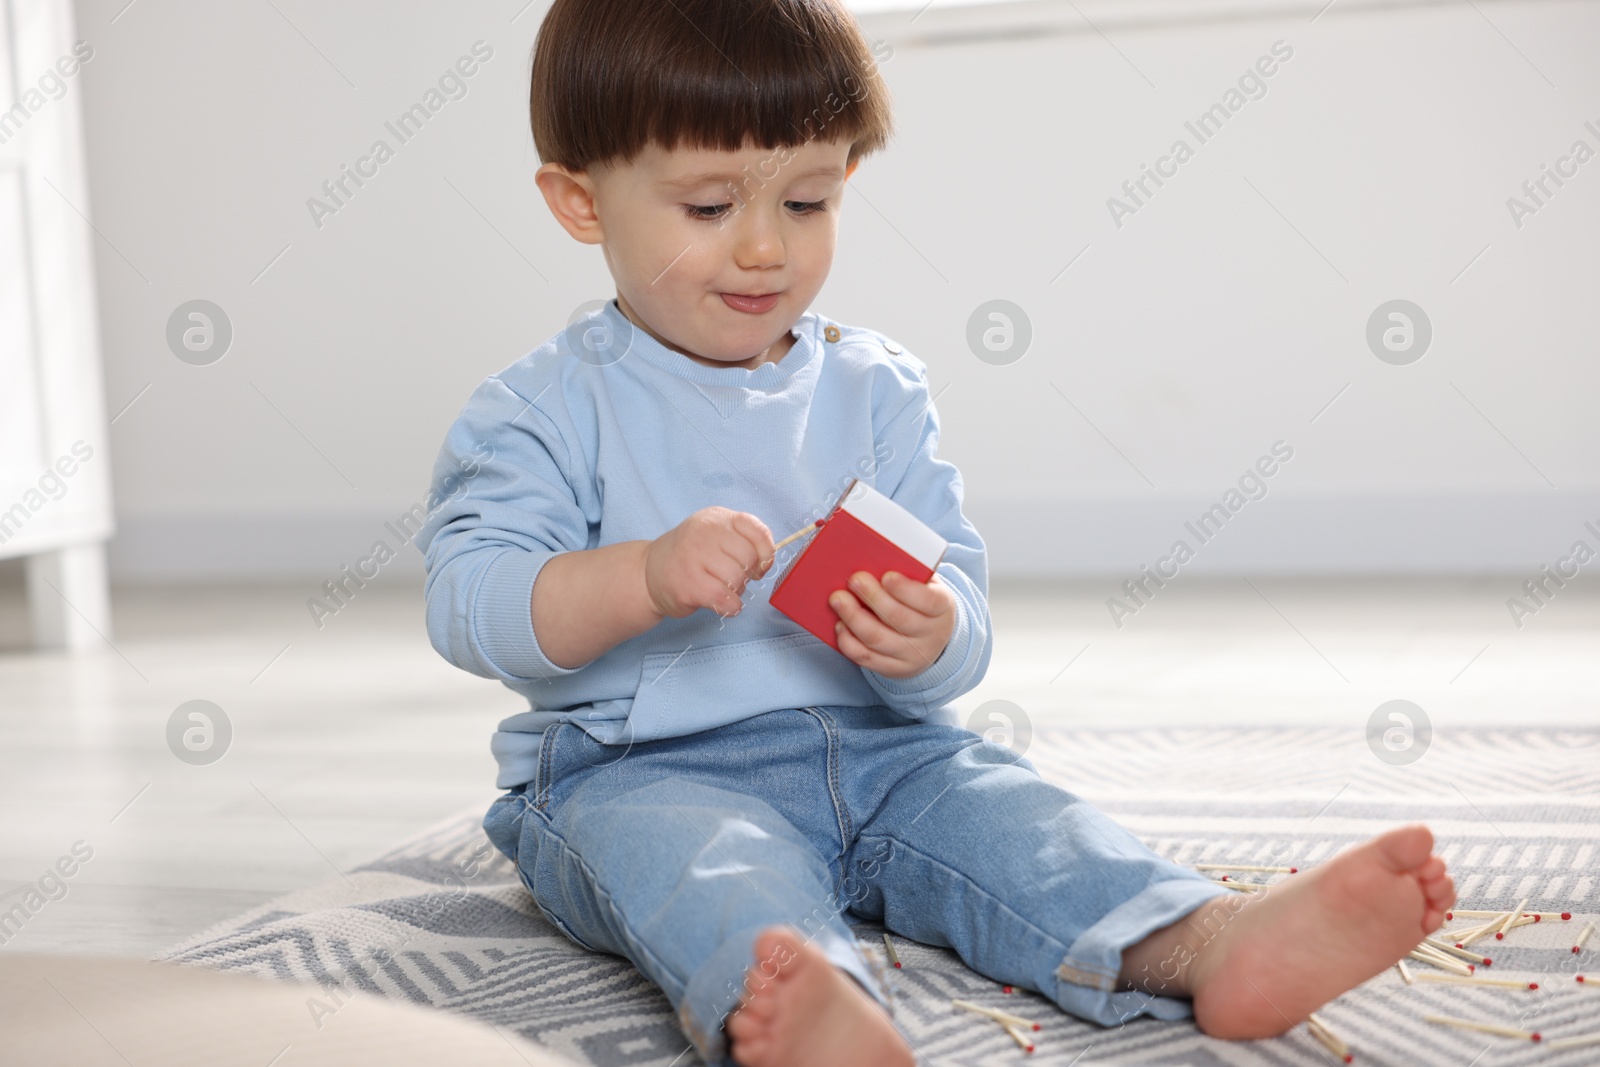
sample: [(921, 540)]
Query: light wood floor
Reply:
[(348, 739)]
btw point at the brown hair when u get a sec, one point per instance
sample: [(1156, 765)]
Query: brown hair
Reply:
[(612, 76)]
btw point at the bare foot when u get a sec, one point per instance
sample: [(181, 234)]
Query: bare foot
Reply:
[(1258, 966), (800, 1010)]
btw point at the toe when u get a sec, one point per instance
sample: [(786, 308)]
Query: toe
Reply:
[(754, 1008), (777, 950), (1432, 869), (1406, 848), (746, 1020), (750, 1051)]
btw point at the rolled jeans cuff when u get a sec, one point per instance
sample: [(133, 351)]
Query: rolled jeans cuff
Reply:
[(1089, 974)]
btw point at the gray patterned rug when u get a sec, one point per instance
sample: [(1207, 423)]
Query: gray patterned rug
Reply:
[(1516, 813)]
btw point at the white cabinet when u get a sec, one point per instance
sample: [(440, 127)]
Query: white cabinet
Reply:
[(55, 479)]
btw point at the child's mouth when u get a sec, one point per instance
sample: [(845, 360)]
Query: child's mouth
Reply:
[(755, 305)]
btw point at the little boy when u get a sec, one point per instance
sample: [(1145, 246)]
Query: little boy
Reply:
[(700, 785)]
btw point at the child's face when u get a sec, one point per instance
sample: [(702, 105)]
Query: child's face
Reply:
[(684, 230)]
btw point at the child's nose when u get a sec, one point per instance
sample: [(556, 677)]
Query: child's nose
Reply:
[(759, 242)]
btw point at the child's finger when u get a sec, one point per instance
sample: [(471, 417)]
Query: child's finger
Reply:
[(867, 627), (860, 654), (896, 614), (759, 537), (920, 596)]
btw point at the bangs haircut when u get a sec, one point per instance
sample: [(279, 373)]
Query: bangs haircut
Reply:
[(610, 77)]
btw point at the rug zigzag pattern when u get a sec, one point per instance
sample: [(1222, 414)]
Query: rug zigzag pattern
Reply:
[(405, 927)]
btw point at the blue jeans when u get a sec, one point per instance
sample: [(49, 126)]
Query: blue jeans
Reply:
[(676, 853)]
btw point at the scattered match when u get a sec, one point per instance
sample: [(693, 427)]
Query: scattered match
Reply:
[(1456, 950), (997, 1015), (1423, 954), (1332, 1042), (1244, 867), (888, 948), (1457, 979), (1512, 920), (1243, 887), (1483, 1028), (1018, 1036), (1577, 946)]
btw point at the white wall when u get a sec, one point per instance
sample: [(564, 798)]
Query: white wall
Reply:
[(1210, 325)]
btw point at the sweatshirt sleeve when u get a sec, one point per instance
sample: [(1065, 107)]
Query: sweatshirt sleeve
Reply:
[(513, 509), (930, 488)]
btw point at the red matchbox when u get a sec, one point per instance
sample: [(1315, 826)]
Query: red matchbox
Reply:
[(866, 531)]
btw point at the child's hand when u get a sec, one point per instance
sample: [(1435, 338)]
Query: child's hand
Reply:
[(705, 561), (901, 628)]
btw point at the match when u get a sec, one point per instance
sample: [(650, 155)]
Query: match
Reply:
[(1440, 960), (1457, 979), (1511, 920), (1244, 887), (1405, 972), (1467, 937), (1486, 1028), (1445, 946), (1330, 1041), (1243, 867), (996, 1014), (1017, 1035), (888, 947), (1577, 946), (1581, 1041), (1464, 935), (797, 534), (1584, 978), (1563, 915)]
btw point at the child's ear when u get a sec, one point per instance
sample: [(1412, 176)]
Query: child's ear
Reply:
[(570, 197), (851, 169)]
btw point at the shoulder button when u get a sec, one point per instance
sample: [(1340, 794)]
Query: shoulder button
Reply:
[(831, 332), (893, 346)]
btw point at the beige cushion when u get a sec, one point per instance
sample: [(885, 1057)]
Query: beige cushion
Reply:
[(88, 1011)]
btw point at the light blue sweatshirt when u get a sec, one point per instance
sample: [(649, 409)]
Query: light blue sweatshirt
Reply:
[(565, 451)]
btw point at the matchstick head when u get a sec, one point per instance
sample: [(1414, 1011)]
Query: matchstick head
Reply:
[(1294, 870), (1472, 966), (1006, 989), (1536, 1036), (1580, 977), (1449, 916), (1487, 961), (897, 965), (1566, 916), (1348, 1058), (1537, 917), (1500, 936), (1037, 1026), (1533, 985)]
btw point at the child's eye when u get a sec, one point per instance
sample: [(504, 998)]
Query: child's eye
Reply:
[(708, 213), (713, 212)]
